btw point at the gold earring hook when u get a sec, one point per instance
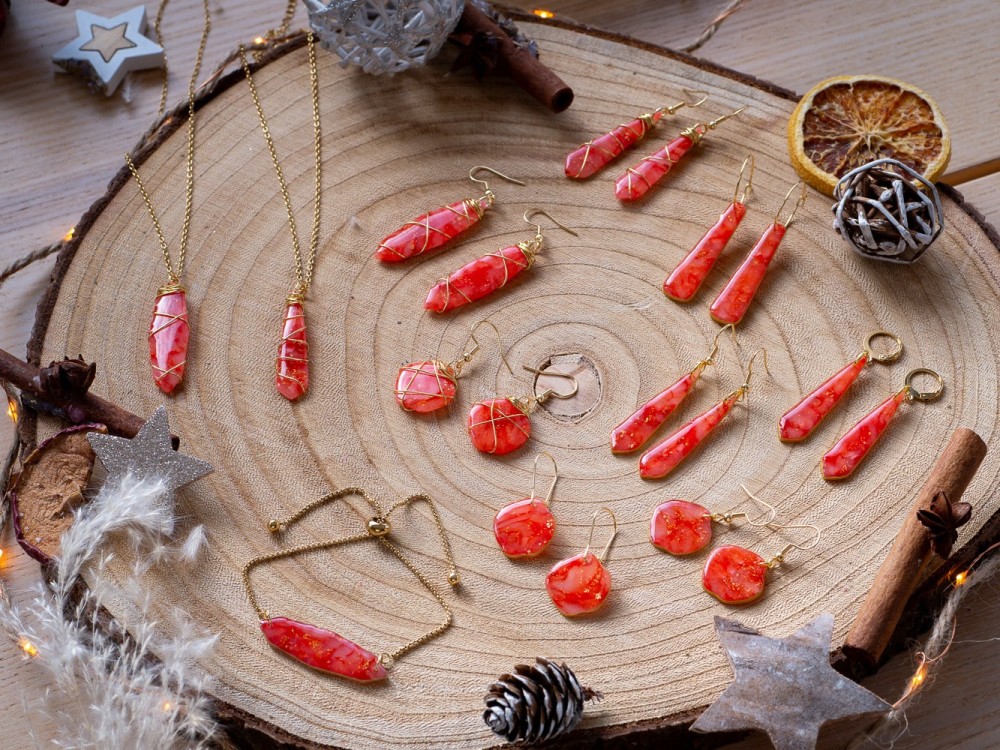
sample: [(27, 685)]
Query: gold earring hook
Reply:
[(534, 477), (883, 358), (472, 335), (748, 373), (719, 120), (780, 557), (548, 392), (748, 188), (710, 359), (683, 103), (484, 183), (593, 525), (802, 199), (915, 395), (532, 212), (772, 512)]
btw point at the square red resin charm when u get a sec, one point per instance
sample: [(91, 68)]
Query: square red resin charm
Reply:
[(680, 527), (579, 585)]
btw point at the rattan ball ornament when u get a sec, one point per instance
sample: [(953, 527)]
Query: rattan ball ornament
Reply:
[(536, 703), (887, 211), (384, 36)]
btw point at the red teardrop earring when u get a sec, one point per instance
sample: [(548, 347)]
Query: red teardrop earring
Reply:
[(798, 423), (593, 156), (633, 433), (850, 450), (435, 228), (682, 528), (430, 384), (732, 303), (580, 585), (501, 425), (685, 280), (524, 528)]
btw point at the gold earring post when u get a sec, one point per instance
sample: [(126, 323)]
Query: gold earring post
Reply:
[(593, 525)]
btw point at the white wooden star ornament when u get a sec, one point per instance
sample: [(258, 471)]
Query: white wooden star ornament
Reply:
[(784, 687), (107, 49)]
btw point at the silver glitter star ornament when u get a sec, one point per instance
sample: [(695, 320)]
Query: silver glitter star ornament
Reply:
[(149, 455), (784, 687), (107, 49)]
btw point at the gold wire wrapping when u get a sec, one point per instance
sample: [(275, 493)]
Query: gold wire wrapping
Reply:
[(171, 288), (525, 406), (528, 249), (293, 299), (655, 159), (647, 125), (442, 372), (469, 204)]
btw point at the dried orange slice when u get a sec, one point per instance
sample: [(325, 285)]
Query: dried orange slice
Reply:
[(848, 121)]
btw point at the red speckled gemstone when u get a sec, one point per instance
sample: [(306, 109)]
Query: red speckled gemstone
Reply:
[(691, 272), (292, 364), (664, 457), (524, 528), (732, 303), (799, 421), (169, 332), (498, 426), (578, 585), (734, 575), (639, 427), (477, 279), (594, 155), (323, 649), (851, 449), (680, 527), (637, 180), (425, 386), (430, 230)]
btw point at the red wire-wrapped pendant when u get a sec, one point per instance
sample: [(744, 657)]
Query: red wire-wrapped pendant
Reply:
[(169, 333), (498, 426), (432, 229), (292, 363), (732, 303), (481, 277), (640, 426), (637, 180), (593, 156), (798, 422), (685, 280), (665, 456), (323, 650)]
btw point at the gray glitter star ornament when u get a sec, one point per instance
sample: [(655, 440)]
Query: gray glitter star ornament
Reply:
[(107, 49), (149, 455), (784, 687)]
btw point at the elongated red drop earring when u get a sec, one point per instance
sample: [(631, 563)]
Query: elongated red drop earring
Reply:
[(580, 585), (639, 179), (685, 280), (434, 228), (593, 156), (485, 275), (501, 425), (524, 528), (665, 456), (682, 528), (632, 434), (797, 423), (732, 303), (851, 449), (431, 384)]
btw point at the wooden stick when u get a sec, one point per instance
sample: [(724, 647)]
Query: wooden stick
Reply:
[(911, 554)]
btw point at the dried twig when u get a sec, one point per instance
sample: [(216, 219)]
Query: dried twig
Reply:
[(710, 30)]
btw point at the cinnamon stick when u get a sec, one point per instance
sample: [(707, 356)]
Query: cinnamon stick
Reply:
[(117, 420), (911, 554), (522, 67)]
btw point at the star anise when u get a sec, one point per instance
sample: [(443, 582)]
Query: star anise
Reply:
[(942, 520), (65, 384), (480, 52)]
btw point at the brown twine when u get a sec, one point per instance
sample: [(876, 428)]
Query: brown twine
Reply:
[(710, 30)]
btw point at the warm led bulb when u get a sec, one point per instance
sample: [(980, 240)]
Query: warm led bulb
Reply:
[(28, 647), (960, 578), (541, 13), (12, 409)]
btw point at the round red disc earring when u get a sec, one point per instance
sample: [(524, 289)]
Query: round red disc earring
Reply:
[(682, 528), (524, 528), (580, 585)]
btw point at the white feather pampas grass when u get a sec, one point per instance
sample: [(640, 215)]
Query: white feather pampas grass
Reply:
[(110, 688)]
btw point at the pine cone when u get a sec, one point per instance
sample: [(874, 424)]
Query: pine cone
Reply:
[(536, 703)]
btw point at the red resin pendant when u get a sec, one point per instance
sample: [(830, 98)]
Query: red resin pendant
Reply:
[(524, 528), (732, 303), (639, 179), (578, 585), (691, 272), (851, 449), (664, 457), (680, 527), (799, 421), (639, 427), (734, 575), (292, 364), (479, 278), (498, 426), (425, 386), (323, 650), (169, 332), (431, 230), (594, 155)]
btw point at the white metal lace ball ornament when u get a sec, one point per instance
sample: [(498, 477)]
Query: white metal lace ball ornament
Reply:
[(384, 36)]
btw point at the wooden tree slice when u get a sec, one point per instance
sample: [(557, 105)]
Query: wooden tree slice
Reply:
[(394, 147)]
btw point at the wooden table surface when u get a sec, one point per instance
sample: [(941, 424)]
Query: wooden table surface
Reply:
[(60, 145)]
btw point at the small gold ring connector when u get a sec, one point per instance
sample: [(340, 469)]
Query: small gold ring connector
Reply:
[(923, 395), (888, 357)]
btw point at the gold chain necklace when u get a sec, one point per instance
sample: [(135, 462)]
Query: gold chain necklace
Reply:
[(292, 363), (323, 649), (169, 330)]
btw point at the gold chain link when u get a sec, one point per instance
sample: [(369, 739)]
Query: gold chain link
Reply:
[(303, 273), (382, 516)]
